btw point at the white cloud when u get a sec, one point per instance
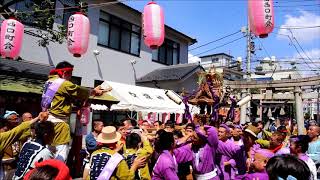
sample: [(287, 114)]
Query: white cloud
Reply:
[(306, 19), (314, 55), (193, 59)]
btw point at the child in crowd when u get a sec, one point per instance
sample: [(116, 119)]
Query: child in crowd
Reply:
[(35, 151), (137, 146)]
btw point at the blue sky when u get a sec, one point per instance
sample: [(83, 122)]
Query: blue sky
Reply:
[(211, 19)]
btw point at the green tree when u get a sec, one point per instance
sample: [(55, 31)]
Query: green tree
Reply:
[(40, 15)]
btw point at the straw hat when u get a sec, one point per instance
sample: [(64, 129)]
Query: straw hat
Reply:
[(109, 135)]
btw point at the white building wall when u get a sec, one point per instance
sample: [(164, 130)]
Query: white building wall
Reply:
[(111, 64)]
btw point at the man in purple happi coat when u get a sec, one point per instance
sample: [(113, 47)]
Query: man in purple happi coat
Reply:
[(261, 157), (166, 166), (227, 165), (202, 153)]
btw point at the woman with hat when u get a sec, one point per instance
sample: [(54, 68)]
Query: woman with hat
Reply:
[(106, 162)]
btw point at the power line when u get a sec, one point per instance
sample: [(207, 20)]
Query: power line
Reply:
[(215, 40), (295, 48), (293, 1), (265, 50), (297, 27), (298, 5), (283, 62), (219, 46), (301, 48)]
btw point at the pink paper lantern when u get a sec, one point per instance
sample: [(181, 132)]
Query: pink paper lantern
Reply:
[(11, 37), (261, 17), (153, 25), (78, 34)]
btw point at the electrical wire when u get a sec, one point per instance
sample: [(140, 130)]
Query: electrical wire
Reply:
[(215, 40), (295, 47), (297, 5), (220, 46), (265, 50), (297, 27), (302, 48)]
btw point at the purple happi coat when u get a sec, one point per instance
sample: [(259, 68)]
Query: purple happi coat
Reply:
[(203, 159), (235, 152), (226, 172), (166, 167)]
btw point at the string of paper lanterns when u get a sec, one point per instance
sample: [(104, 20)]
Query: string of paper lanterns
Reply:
[(261, 20)]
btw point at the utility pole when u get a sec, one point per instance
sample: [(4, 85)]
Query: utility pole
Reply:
[(248, 65), (246, 108), (248, 52)]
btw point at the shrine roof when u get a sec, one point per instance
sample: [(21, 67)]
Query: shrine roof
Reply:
[(168, 73)]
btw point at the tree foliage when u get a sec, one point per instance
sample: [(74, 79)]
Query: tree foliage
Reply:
[(39, 16)]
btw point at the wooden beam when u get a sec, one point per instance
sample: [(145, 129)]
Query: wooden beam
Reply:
[(274, 96), (311, 81), (277, 102), (286, 96), (310, 95)]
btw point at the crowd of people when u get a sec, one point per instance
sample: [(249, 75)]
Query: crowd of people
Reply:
[(144, 150), (37, 148)]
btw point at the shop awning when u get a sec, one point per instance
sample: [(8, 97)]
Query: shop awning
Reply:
[(21, 84), (104, 97), (137, 98)]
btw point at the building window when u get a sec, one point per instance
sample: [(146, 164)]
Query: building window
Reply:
[(76, 80), (67, 12), (168, 53), (215, 59), (119, 34)]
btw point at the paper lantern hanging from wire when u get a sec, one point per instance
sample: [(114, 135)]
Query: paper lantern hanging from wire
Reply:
[(261, 17), (153, 25), (78, 34), (11, 38)]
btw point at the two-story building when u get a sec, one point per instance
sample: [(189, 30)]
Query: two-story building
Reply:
[(225, 64), (116, 49)]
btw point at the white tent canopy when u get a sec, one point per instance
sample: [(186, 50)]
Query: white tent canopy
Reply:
[(137, 98)]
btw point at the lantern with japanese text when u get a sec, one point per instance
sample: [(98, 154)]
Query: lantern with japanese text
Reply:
[(11, 38), (153, 25), (78, 34), (261, 17)]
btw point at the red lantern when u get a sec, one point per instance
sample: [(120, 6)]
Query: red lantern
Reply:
[(11, 38), (261, 17), (153, 25), (78, 34)]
